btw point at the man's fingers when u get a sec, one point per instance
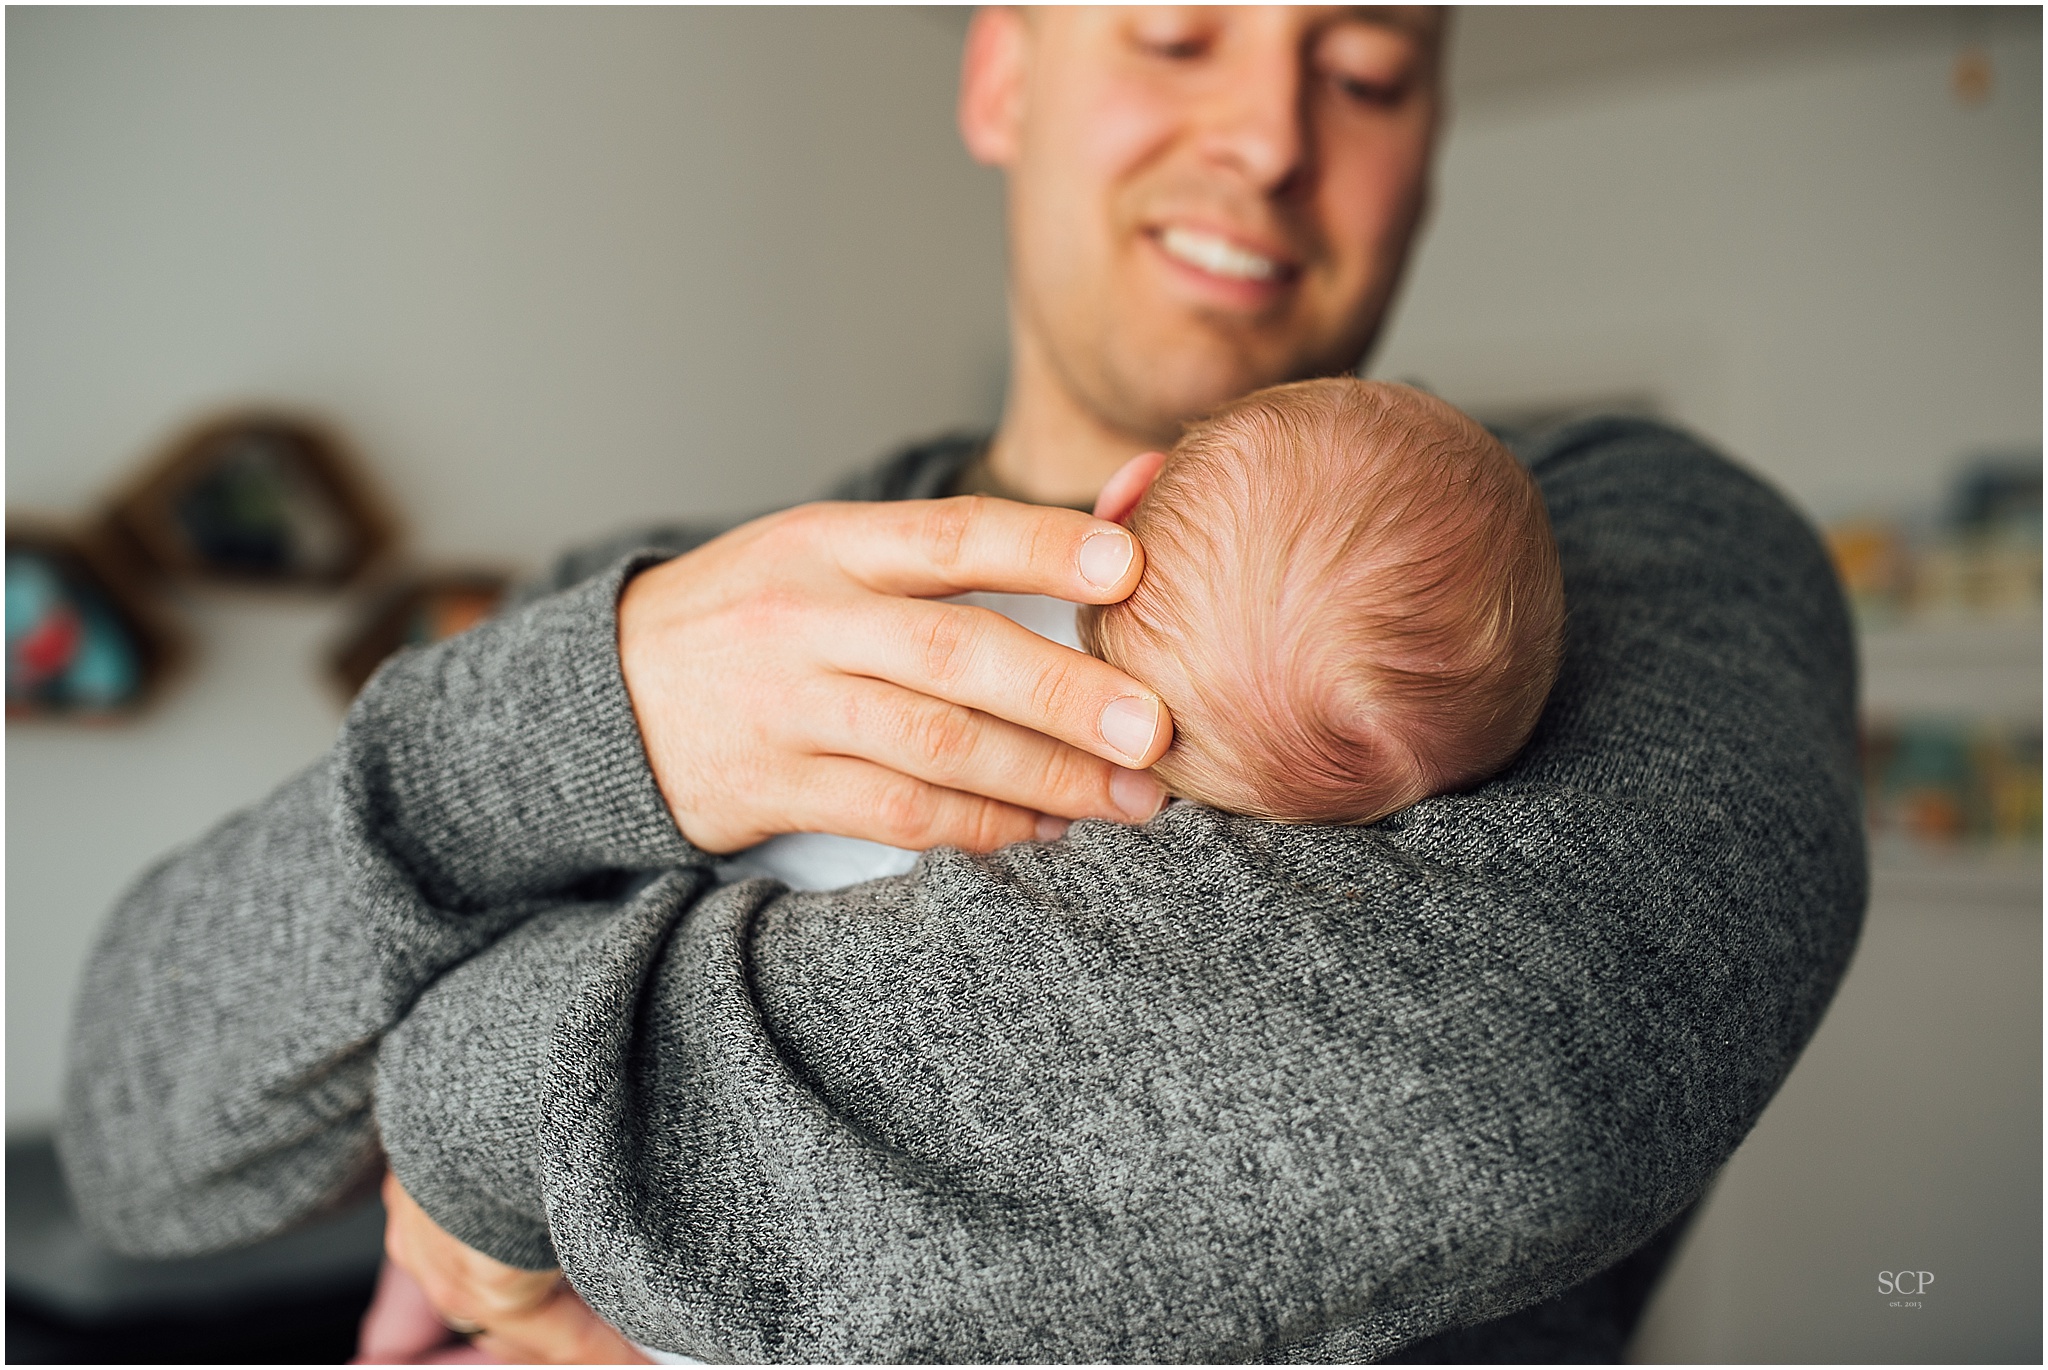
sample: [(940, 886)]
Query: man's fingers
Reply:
[(980, 659), (563, 1331), (460, 1281), (400, 1325), (525, 1316), (467, 1297), (963, 749), (855, 798), (972, 542)]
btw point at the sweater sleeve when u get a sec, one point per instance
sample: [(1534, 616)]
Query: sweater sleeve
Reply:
[(222, 1053), (1207, 1089)]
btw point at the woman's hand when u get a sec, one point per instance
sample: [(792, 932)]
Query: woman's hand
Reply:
[(528, 1317), (799, 675)]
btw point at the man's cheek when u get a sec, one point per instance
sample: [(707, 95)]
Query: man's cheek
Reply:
[(1124, 137), (1367, 244)]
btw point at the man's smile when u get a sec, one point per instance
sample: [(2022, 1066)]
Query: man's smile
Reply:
[(1224, 268), (1218, 255)]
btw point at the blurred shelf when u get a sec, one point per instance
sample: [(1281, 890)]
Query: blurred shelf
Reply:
[(1986, 667), (1909, 871)]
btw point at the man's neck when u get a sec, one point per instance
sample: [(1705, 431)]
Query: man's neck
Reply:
[(1051, 449)]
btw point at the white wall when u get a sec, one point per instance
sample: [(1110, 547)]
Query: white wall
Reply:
[(556, 271), (1830, 266)]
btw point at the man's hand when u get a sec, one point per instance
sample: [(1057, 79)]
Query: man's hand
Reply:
[(798, 675), (525, 1317)]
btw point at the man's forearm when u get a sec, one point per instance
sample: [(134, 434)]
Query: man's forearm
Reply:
[(224, 1045), (224, 1039)]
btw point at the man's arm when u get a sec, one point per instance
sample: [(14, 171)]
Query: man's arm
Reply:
[(1207, 1088), (220, 1072), (226, 1032)]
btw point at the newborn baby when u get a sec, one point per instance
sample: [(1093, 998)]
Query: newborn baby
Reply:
[(1351, 602)]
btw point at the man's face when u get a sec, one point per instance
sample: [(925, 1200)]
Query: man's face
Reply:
[(1203, 200)]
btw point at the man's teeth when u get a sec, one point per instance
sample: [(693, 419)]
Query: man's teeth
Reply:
[(1218, 256)]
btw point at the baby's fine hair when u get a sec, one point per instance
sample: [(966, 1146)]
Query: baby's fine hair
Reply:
[(1351, 600)]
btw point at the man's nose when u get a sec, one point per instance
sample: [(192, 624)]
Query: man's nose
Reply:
[(1258, 124)]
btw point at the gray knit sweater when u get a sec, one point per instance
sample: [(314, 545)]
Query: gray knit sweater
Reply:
[(1207, 1089)]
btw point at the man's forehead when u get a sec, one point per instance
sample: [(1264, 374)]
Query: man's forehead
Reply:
[(1422, 22)]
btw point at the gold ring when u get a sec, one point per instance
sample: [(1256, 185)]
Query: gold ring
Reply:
[(461, 1326)]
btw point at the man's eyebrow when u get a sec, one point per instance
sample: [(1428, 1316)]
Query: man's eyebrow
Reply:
[(1424, 22)]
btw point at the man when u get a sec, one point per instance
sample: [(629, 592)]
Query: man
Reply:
[(1188, 1088)]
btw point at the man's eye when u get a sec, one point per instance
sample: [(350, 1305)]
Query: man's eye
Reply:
[(1176, 49), (1369, 66), (1376, 93), (1177, 35)]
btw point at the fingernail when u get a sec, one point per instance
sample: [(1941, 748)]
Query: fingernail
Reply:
[(1104, 558), (1129, 725), (1051, 829), (1136, 793)]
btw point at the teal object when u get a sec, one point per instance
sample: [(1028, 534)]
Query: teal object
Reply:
[(105, 672), (33, 591), (67, 647)]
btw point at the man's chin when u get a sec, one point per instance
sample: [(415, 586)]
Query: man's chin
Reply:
[(1159, 399)]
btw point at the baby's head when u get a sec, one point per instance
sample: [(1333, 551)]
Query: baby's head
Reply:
[(1351, 601)]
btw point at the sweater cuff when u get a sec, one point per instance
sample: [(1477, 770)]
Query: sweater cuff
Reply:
[(506, 764)]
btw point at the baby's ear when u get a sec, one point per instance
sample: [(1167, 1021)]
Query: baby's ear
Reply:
[(1128, 486)]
